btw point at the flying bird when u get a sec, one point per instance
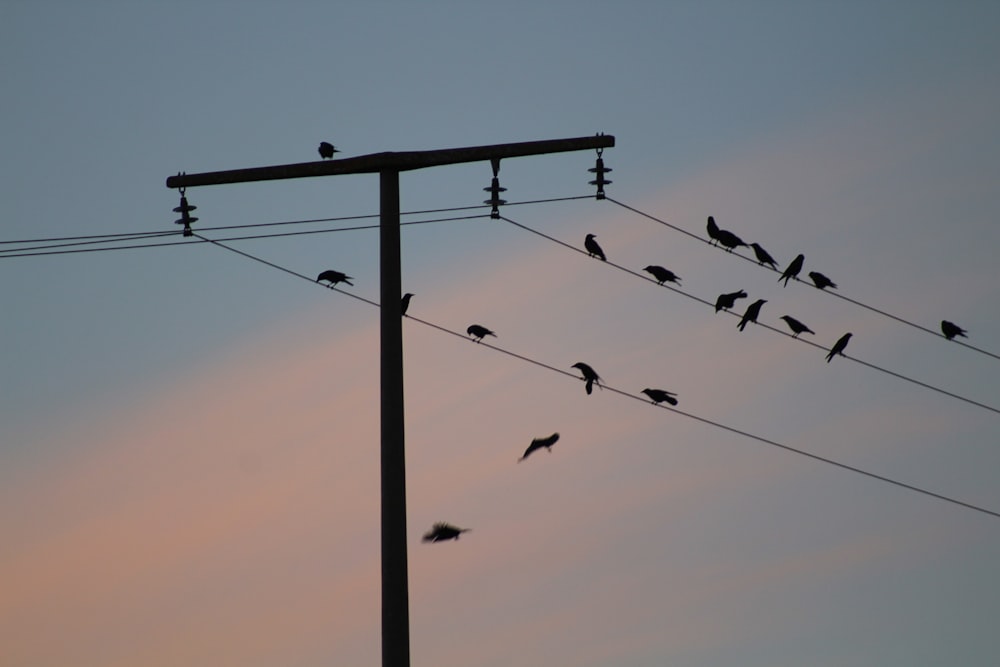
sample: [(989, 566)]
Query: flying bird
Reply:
[(713, 230), (659, 395), (727, 301), (405, 303), (753, 310), (838, 347), (593, 249), (334, 277), (538, 443), (950, 330), (326, 150), (792, 270), (444, 531), (821, 281), (589, 374), (479, 332), (796, 326), (763, 257), (663, 275), (730, 240)]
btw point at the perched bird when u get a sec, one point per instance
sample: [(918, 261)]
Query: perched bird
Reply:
[(593, 249), (821, 281), (405, 303), (727, 301), (792, 270), (796, 326), (479, 332), (589, 374), (444, 531), (659, 395), (753, 310), (838, 347), (663, 275), (326, 150), (763, 257), (538, 443), (950, 330), (334, 277), (713, 229), (730, 240)]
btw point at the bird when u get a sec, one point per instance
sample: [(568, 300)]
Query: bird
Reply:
[(753, 310), (792, 270), (538, 443), (838, 347), (727, 301), (763, 257), (730, 240), (593, 249), (441, 531), (405, 303), (659, 395), (663, 275), (326, 150), (334, 277), (821, 281), (950, 330), (713, 230), (589, 374), (796, 326), (479, 332)]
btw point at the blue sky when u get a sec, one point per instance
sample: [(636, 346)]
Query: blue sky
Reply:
[(188, 460)]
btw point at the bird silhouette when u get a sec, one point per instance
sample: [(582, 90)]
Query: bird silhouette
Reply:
[(950, 330), (441, 531), (730, 240), (538, 443), (659, 395), (727, 301), (589, 374), (405, 303), (326, 150), (753, 310), (334, 277), (838, 347), (479, 332), (593, 249), (713, 230), (796, 326), (821, 281), (763, 257), (663, 275), (792, 270)]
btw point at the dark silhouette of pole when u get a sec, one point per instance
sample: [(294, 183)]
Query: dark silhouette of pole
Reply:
[(395, 584)]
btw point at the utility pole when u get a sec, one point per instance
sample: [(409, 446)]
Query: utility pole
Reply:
[(395, 586)]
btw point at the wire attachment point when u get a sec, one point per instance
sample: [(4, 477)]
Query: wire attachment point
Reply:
[(185, 210), (599, 170), (495, 191)]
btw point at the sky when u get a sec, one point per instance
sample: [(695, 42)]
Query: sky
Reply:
[(189, 439)]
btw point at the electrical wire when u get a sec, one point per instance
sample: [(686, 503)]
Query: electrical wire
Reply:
[(683, 413)]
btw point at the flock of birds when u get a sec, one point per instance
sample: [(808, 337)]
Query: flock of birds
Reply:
[(444, 531)]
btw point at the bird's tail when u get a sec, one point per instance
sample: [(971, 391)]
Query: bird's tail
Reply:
[(590, 387)]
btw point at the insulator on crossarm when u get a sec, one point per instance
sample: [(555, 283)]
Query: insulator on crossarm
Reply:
[(186, 218), (599, 170), (495, 191)]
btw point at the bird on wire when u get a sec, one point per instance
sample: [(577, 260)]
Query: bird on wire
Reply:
[(729, 240), (479, 332), (727, 301), (334, 277), (326, 150), (838, 347), (539, 443), (404, 304), (441, 531), (796, 326), (793, 268), (753, 310), (713, 230), (950, 330), (821, 281), (763, 257), (589, 374), (593, 249), (659, 396), (662, 275)]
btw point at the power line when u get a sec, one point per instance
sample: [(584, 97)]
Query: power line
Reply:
[(838, 295), (683, 413), (766, 326)]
